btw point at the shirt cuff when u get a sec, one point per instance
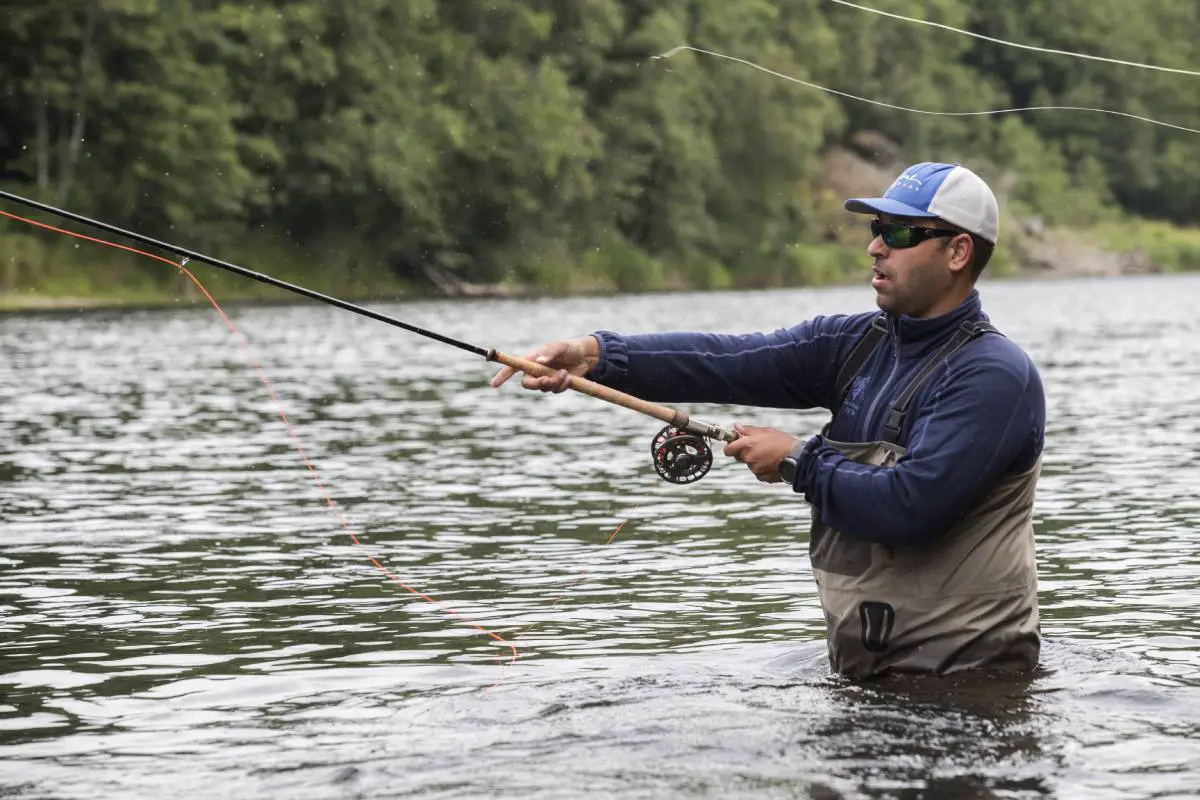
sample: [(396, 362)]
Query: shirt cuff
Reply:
[(613, 366), (814, 452)]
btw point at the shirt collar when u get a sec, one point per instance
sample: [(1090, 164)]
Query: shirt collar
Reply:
[(912, 329)]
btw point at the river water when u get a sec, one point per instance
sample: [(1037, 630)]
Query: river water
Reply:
[(182, 614)]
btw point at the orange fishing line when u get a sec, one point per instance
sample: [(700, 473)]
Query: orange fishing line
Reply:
[(575, 582), (525, 631), (329, 501)]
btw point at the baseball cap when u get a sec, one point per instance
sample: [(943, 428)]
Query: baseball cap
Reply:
[(950, 192)]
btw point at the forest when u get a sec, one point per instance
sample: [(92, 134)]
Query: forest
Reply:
[(381, 148)]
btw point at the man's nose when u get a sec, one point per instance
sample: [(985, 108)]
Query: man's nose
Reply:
[(877, 249)]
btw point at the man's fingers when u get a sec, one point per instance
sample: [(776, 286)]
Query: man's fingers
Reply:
[(542, 355), (558, 382), (768, 475), (534, 382), (565, 356), (500, 377)]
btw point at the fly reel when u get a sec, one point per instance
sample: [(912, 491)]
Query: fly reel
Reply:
[(680, 456)]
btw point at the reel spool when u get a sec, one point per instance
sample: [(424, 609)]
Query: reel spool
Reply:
[(680, 456)]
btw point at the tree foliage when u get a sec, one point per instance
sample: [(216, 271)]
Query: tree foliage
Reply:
[(492, 140)]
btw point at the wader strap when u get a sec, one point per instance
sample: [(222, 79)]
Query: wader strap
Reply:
[(894, 425), (858, 358)]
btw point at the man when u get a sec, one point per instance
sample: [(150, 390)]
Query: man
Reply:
[(922, 483)]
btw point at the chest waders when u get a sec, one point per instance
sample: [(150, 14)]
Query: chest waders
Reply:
[(965, 599)]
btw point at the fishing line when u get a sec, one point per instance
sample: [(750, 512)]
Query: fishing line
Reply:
[(245, 344), (880, 103), (1019, 45), (679, 451), (583, 573), (192, 255), (524, 632)]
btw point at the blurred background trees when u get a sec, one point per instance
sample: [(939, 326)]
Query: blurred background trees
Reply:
[(538, 142)]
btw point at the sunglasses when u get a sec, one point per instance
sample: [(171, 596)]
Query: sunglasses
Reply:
[(898, 237)]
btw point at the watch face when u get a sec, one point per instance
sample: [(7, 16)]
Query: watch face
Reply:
[(787, 470)]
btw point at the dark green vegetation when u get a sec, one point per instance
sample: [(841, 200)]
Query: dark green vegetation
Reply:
[(377, 147)]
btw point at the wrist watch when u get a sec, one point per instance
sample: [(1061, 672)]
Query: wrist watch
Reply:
[(789, 464)]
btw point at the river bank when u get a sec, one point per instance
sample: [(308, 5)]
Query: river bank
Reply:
[(38, 273)]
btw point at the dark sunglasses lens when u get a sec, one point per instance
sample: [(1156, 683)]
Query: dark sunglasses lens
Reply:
[(897, 236), (900, 236)]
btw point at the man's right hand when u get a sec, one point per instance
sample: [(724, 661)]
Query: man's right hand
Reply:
[(568, 356)]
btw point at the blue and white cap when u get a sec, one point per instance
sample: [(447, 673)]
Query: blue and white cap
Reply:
[(950, 192)]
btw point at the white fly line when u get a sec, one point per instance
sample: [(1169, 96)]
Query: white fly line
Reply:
[(1007, 43), (880, 103)]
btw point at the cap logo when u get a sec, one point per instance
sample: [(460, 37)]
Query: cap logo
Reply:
[(908, 181)]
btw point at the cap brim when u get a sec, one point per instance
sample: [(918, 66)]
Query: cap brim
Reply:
[(882, 205)]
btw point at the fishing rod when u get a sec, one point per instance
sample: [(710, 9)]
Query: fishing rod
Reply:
[(679, 451)]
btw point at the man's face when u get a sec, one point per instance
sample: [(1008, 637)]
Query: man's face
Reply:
[(912, 280)]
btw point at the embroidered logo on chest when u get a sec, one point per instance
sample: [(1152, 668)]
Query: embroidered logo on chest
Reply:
[(854, 396)]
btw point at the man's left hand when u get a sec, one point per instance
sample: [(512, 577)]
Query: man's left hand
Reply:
[(761, 449)]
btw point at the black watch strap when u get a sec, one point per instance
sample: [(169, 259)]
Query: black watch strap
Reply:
[(789, 463)]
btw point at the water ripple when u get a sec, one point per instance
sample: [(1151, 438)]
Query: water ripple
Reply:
[(179, 608)]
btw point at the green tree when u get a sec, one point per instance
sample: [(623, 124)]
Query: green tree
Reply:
[(1147, 169)]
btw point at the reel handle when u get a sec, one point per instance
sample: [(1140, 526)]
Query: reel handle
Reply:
[(680, 456)]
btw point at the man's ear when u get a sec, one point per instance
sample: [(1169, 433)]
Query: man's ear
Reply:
[(962, 250)]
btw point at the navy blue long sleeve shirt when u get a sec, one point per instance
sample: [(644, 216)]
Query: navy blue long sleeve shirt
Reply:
[(979, 416)]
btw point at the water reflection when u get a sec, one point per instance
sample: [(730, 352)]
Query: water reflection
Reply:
[(980, 736)]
